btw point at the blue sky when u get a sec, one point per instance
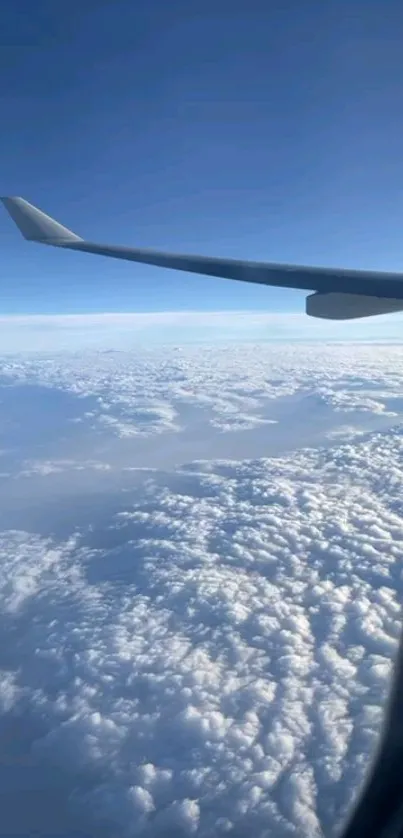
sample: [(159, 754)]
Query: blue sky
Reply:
[(257, 130)]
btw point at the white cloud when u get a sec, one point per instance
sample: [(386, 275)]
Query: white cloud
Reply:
[(230, 388), (206, 649), (225, 660), (46, 467)]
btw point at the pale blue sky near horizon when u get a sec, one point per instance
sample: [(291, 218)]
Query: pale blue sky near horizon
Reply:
[(263, 131)]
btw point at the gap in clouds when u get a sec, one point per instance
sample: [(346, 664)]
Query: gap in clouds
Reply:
[(98, 455)]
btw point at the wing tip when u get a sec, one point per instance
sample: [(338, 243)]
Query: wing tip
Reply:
[(36, 225)]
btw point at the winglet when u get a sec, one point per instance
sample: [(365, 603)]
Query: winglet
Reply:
[(35, 225)]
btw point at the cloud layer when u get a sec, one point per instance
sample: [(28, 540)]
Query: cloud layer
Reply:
[(207, 650)]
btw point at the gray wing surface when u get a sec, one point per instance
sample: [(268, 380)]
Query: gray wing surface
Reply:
[(340, 293)]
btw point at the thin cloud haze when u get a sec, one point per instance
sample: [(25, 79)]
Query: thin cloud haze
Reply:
[(60, 332)]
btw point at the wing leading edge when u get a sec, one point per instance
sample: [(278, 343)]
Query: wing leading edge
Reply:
[(340, 294)]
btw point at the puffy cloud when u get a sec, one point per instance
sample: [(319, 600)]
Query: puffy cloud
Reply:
[(237, 387), (224, 662), (207, 649)]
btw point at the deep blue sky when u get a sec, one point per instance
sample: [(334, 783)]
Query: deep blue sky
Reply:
[(267, 129)]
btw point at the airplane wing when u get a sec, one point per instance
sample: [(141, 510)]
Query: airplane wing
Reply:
[(340, 294)]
